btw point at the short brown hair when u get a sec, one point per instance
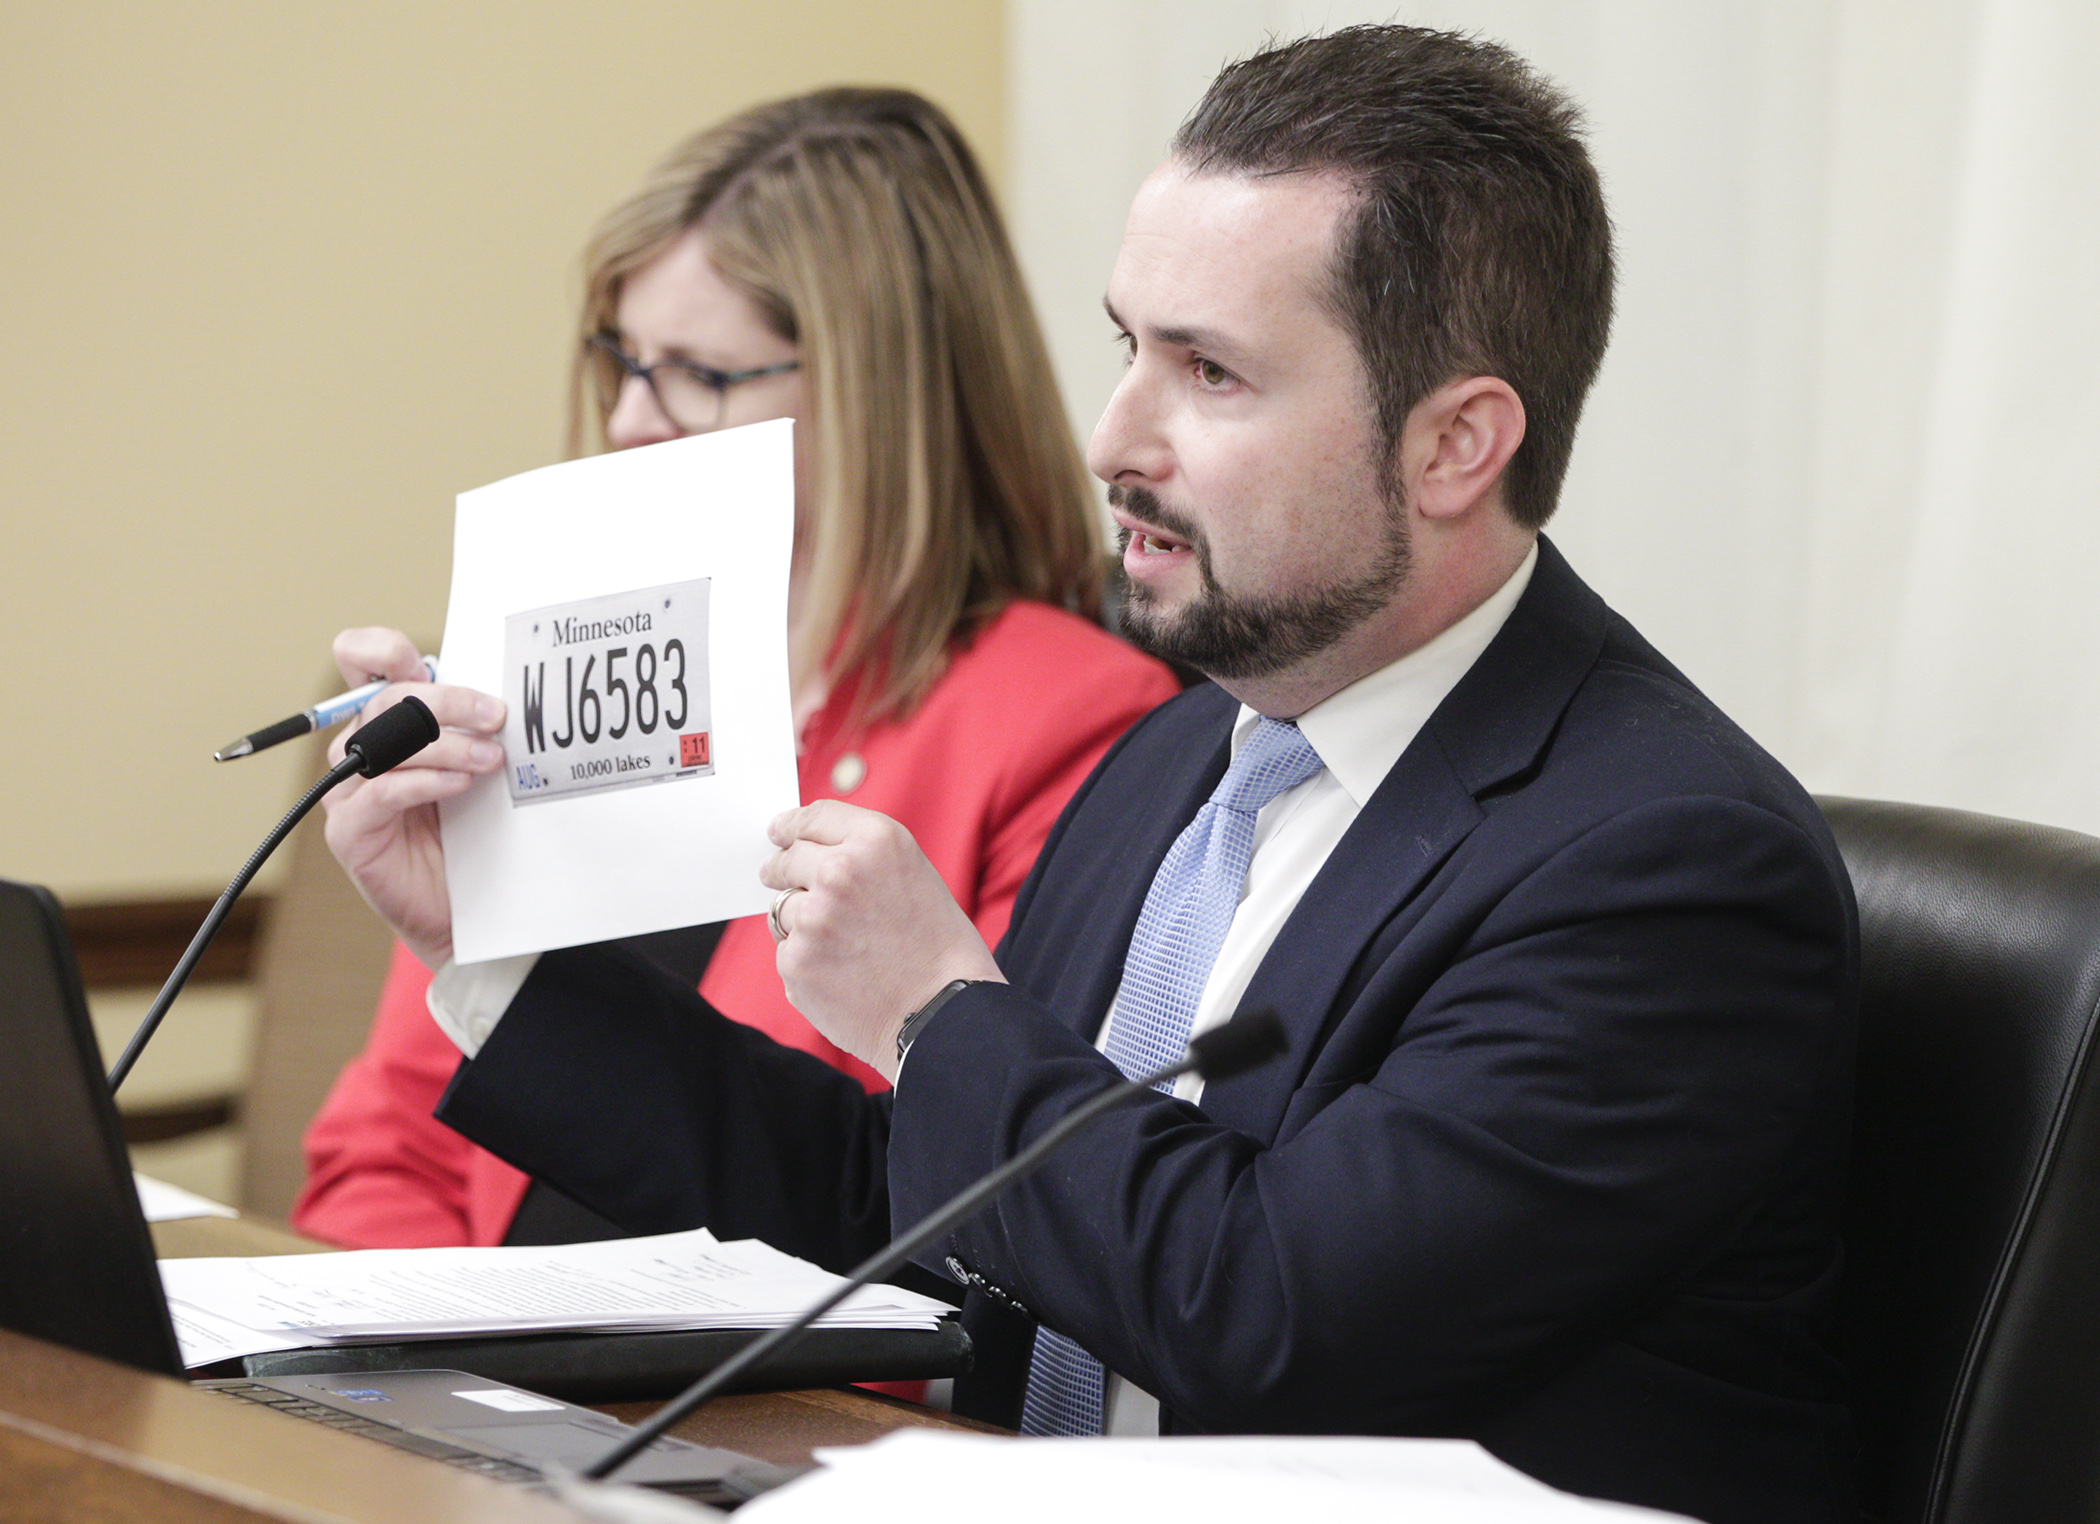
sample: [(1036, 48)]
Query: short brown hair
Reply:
[(1480, 244), (946, 480)]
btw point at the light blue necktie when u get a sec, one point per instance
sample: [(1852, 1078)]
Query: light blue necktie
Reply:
[(1187, 913)]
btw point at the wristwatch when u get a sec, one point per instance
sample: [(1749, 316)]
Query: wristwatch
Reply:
[(925, 1013)]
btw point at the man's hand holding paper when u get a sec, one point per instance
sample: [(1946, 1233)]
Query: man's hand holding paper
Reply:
[(871, 931), (466, 869)]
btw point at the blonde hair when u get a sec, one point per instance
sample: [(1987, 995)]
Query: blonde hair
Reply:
[(945, 481)]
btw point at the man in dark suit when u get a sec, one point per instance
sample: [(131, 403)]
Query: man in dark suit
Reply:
[(1567, 962)]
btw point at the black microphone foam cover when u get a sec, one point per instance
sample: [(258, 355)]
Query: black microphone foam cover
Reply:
[(390, 739), (1248, 1040)]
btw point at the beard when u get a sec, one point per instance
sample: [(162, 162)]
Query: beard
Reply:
[(1243, 635)]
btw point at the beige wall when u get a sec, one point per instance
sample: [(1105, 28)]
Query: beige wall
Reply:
[(281, 280)]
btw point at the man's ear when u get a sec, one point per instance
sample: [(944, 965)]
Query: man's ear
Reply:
[(1457, 440)]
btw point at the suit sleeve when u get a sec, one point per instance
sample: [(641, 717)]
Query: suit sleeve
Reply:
[(641, 1102), (629, 1092), (1606, 1069)]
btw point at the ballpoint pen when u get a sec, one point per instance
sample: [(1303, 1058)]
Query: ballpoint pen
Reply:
[(324, 714)]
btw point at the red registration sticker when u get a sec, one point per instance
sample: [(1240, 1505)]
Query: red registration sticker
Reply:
[(692, 749)]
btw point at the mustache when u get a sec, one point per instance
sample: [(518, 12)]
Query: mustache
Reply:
[(1142, 502)]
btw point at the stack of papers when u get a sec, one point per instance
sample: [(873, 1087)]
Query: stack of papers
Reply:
[(224, 1308), (918, 1474)]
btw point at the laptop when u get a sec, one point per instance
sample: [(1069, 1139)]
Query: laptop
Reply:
[(77, 1264)]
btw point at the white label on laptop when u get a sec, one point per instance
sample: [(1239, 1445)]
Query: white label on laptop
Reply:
[(511, 1402), (608, 692)]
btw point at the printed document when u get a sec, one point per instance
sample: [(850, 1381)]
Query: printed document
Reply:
[(227, 1307), (631, 611)]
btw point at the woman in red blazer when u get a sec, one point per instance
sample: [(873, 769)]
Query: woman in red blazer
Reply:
[(834, 258)]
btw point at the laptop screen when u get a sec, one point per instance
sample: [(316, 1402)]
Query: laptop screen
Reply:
[(76, 1260)]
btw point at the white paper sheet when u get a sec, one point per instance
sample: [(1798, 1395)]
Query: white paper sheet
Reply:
[(917, 1474), (591, 866), (162, 1202), (205, 1338), (674, 1280)]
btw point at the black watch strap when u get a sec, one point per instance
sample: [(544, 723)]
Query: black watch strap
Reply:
[(925, 1013)]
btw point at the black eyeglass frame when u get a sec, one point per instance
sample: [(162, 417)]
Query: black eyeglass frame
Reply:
[(717, 381)]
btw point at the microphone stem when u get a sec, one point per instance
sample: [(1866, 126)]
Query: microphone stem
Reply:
[(881, 1263), (217, 918)]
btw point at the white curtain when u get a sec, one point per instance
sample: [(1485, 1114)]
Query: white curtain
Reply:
[(1832, 467)]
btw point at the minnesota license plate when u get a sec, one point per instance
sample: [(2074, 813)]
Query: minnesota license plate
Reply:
[(608, 692)]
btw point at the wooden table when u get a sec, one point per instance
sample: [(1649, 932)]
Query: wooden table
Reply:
[(86, 1439)]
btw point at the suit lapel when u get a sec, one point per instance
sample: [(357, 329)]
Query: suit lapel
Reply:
[(1491, 727), (1418, 816)]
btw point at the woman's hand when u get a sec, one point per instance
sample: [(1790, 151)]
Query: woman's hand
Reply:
[(384, 830), (876, 934)]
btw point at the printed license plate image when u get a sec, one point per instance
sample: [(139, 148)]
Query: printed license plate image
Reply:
[(608, 692)]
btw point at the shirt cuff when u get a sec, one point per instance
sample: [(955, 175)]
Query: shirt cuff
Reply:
[(468, 999)]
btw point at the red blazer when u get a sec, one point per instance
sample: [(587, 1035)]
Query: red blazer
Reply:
[(978, 772)]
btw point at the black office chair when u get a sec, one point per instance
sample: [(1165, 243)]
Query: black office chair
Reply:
[(1971, 1310)]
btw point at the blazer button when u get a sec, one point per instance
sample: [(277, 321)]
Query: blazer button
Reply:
[(1006, 1299), (960, 1270)]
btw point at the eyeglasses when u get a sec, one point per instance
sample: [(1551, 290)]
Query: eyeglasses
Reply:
[(694, 397)]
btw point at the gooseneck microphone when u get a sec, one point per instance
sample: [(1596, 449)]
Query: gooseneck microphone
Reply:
[(388, 741), (1248, 1039)]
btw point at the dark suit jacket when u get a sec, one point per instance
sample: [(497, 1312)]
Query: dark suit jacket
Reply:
[(1553, 1160)]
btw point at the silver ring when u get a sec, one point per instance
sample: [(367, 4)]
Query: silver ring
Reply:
[(773, 915)]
